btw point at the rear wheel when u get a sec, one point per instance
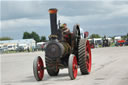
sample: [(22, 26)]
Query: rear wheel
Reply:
[(72, 66), (84, 56), (52, 69), (38, 68), (76, 38)]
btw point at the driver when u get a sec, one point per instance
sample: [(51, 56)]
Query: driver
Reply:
[(65, 29)]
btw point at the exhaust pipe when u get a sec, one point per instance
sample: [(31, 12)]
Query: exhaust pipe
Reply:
[(53, 20)]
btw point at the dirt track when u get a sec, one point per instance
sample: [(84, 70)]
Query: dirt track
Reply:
[(109, 67)]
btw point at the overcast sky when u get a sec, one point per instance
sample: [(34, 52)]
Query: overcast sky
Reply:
[(100, 17)]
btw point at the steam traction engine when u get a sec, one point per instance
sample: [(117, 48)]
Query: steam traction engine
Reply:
[(64, 51)]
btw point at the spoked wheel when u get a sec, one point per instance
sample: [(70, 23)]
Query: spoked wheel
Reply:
[(84, 56), (88, 56), (38, 68), (72, 66)]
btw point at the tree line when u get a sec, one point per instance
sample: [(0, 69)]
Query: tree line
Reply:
[(37, 38), (94, 36), (5, 38), (34, 36)]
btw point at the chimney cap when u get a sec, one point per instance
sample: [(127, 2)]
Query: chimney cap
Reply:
[(52, 10)]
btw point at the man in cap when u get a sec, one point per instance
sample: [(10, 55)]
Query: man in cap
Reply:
[(65, 29)]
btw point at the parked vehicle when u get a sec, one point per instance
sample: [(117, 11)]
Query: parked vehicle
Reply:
[(91, 41), (11, 47), (126, 42), (120, 43), (20, 49), (43, 47)]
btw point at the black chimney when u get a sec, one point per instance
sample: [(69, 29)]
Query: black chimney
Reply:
[(53, 20)]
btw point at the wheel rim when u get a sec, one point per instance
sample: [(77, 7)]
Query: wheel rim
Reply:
[(88, 56), (39, 68), (74, 67), (76, 36)]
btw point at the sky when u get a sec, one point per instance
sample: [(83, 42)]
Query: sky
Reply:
[(101, 17)]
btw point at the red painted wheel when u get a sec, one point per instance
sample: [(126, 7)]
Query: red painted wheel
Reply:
[(38, 68), (72, 66), (84, 56), (88, 56)]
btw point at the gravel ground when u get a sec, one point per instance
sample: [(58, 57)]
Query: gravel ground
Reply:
[(109, 67)]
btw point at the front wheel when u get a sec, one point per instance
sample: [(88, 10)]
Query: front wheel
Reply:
[(38, 68), (72, 66)]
